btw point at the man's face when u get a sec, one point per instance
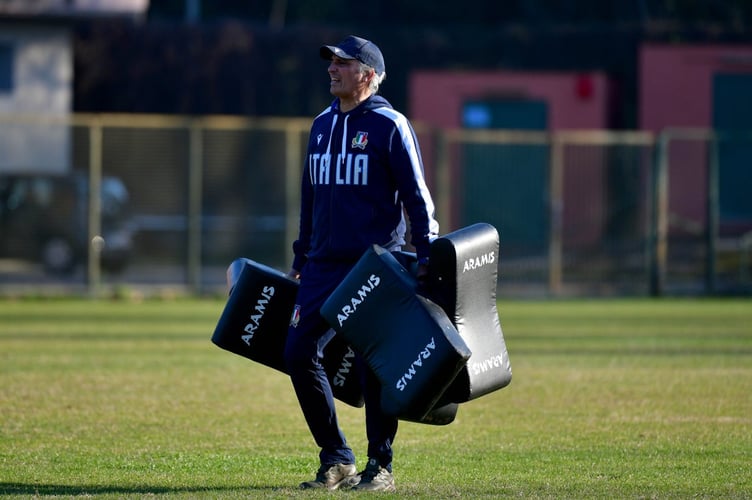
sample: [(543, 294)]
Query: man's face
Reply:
[(346, 79)]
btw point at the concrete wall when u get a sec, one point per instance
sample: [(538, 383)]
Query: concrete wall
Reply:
[(676, 82), (676, 90), (575, 101)]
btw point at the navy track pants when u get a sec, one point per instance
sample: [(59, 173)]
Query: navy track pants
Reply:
[(303, 353)]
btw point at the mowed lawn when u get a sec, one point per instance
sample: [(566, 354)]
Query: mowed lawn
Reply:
[(629, 398)]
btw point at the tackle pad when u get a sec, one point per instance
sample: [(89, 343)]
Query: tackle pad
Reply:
[(462, 279), (408, 341), (444, 412), (255, 320)]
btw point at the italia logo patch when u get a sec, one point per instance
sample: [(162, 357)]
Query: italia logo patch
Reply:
[(360, 140)]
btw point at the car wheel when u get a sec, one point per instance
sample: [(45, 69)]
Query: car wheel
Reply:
[(58, 255)]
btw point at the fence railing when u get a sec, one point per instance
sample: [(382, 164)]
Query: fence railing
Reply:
[(702, 221), (578, 212)]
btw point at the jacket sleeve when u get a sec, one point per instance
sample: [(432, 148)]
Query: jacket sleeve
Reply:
[(301, 246), (407, 165)]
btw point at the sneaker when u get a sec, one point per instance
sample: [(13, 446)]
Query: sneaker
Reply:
[(332, 477), (375, 478)]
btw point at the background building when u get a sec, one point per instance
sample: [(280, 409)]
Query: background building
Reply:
[(565, 125)]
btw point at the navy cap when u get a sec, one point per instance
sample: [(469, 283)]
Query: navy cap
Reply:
[(354, 47)]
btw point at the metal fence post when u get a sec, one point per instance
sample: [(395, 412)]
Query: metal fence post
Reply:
[(444, 183), (712, 212), (293, 165), (556, 188), (195, 178), (94, 242), (658, 237)]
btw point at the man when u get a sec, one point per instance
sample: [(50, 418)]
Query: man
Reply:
[(363, 171)]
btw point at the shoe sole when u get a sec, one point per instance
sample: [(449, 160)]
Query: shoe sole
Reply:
[(390, 488), (343, 484)]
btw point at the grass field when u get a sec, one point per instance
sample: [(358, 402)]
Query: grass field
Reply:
[(610, 399)]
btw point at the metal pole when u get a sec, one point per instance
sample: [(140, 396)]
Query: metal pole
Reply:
[(195, 177), (659, 217), (95, 242), (293, 165), (448, 218), (556, 180), (712, 211)]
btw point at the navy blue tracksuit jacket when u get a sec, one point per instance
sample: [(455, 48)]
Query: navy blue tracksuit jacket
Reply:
[(362, 169)]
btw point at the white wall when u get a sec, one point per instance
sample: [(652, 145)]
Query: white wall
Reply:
[(33, 132), (73, 7)]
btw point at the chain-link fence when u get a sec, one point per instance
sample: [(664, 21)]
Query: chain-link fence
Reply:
[(572, 208), (704, 212), (578, 212)]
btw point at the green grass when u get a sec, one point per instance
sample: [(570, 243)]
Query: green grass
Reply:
[(610, 399)]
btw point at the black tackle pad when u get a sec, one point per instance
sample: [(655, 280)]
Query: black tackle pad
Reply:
[(462, 280), (407, 340), (255, 320), (444, 412)]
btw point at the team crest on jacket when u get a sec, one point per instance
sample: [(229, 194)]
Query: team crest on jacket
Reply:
[(360, 140), (295, 318)]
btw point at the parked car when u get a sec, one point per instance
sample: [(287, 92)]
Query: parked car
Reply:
[(44, 218)]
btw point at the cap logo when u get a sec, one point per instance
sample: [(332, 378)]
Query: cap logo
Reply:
[(360, 140)]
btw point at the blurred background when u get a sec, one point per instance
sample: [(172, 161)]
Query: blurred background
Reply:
[(145, 144)]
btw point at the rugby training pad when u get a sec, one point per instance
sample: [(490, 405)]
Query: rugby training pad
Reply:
[(462, 280), (255, 320), (408, 341)]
